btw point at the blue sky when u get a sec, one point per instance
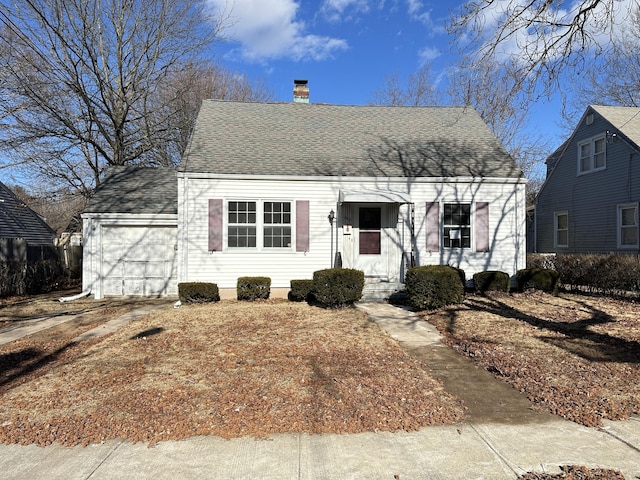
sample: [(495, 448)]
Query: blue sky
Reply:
[(345, 48)]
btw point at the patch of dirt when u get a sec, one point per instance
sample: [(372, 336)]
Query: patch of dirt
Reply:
[(572, 472), (229, 369), (574, 356)]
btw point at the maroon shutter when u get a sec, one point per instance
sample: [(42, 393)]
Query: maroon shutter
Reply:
[(302, 225), (215, 225), (432, 226), (482, 227)]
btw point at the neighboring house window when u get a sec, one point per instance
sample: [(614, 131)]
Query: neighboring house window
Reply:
[(254, 224), (277, 224), (592, 155), (242, 224), (628, 226), (457, 225), (561, 229)]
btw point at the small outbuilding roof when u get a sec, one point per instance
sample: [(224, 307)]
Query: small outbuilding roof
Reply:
[(19, 221), (336, 140), (134, 189)]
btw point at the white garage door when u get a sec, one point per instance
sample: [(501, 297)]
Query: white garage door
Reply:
[(139, 260)]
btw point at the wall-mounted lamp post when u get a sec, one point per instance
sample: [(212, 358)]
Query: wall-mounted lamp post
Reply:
[(331, 217)]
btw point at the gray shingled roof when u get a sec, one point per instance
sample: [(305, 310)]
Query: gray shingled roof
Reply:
[(19, 221), (319, 139), (625, 119), (136, 190)]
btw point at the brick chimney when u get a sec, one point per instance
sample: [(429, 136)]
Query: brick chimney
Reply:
[(300, 91)]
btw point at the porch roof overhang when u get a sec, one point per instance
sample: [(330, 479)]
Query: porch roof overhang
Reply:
[(372, 196)]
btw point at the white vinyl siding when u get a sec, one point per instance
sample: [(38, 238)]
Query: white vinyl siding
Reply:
[(506, 216), (592, 155), (561, 229), (628, 226)]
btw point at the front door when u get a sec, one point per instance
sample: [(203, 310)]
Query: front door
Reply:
[(371, 242)]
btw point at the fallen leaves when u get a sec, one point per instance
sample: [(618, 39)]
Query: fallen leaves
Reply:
[(575, 356), (230, 369)]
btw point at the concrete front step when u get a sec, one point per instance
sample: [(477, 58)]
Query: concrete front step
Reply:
[(380, 291)]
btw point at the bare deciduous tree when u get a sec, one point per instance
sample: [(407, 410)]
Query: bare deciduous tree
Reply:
[(540, 39), (81, 79), (492, 91), (182, 93), (418, 90)]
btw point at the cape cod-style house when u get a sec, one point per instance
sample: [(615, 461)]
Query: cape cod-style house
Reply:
[(284, 189)]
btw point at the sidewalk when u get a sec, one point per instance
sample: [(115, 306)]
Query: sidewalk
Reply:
[(501, 439)]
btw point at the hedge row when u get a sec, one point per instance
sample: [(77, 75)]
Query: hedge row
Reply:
[(333, 287), (27, 278), (609, 274)]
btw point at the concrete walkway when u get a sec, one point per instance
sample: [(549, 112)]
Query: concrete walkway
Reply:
[(485, 447)]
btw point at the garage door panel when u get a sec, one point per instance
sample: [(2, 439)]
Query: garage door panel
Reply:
[(138, 260), (134, 286), (156, 286), (134, 269), (112, 286), (155, 270)]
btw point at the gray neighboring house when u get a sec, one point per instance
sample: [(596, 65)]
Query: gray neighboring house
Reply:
[(589, 201), (129, 234), (19, 221)]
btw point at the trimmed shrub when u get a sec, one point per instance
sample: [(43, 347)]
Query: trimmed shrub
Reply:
[(433, 286), (544, 279), (198, 292), (300, 290), (337, 287), (491, 281), (29, 278), (253, 288)]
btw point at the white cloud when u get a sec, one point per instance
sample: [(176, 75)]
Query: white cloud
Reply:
[(530, 37), (427, 54), (269, 29), (336, 10)]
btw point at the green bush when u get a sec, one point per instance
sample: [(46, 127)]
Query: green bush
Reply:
[(300, 290), (491, 281), (337, 287), (253, 288), (544, 279), (433, 286), (198, 292)]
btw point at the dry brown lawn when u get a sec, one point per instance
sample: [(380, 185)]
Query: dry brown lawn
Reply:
[(228, 369), (575, 356)]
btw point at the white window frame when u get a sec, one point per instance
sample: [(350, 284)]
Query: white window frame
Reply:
[(620, 226), (445, 226), (260, 225), (557, 230), (590, 158)]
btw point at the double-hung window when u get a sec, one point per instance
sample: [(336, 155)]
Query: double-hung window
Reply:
[(242, 229), (592, 155), (259, 225), (561, 229), (457, 225), (277, 225), (628, 226)]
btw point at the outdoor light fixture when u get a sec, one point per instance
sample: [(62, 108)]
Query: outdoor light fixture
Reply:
[(611, 137), (331, 217)]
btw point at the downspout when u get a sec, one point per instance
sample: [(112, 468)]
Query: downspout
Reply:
[(75, 297)]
